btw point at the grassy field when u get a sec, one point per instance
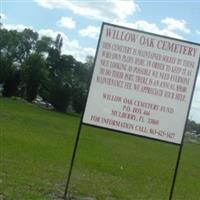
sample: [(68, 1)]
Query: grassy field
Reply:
[(35, 151)]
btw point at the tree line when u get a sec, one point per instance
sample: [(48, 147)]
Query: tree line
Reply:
[(193, 127), (31, 65)]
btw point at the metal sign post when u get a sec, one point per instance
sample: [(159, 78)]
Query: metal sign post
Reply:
[(66, 194)]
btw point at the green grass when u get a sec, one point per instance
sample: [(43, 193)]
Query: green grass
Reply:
[(35, 151)]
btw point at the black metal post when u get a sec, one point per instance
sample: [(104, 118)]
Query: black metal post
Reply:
[(176, 171), (72, 162)]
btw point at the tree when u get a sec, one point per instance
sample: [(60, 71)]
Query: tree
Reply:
[(192, 126), (89, 65), (59, 43), (57, 93), (16, 45), (30, 65), (79, 98), (198, 129), (5, 69), (27, 44), (11, 83), (82, 75), (44, 45), (9, 44), (34, 73), (9, 72), (57, 89)]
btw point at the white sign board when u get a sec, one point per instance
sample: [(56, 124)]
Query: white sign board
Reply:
[(142, 84)]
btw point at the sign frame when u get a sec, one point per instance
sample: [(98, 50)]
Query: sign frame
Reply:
[(66, 193), (190, 97)]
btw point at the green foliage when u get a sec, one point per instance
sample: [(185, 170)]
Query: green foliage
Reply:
[(34, 73), (192, 126), (79, 99), (44, 44), (82, 74), (57, 93), (28, 40), (5, 69), (59, 43), (16, 46), (11, 83), (57, 89), (32, 66), (9, 44)]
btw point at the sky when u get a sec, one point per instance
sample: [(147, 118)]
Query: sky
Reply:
[(79, 23)]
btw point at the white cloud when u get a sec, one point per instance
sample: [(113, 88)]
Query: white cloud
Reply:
[(89, 51), (123, 9), (45, 3), (90, 31), (70, 47), (67, 22), (106, 11), (150, 27), (170, 33), (18, 27), (3, 16), (117, 12), (174, 24)]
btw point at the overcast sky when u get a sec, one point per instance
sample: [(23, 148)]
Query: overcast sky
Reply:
[(79, 22)]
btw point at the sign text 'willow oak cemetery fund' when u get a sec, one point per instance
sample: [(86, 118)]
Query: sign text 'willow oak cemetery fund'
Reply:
[(142, 84)]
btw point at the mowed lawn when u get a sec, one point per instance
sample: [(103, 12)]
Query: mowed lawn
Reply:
[(35, 152)]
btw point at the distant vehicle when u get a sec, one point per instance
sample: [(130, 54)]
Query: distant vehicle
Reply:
[(41, 102)]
